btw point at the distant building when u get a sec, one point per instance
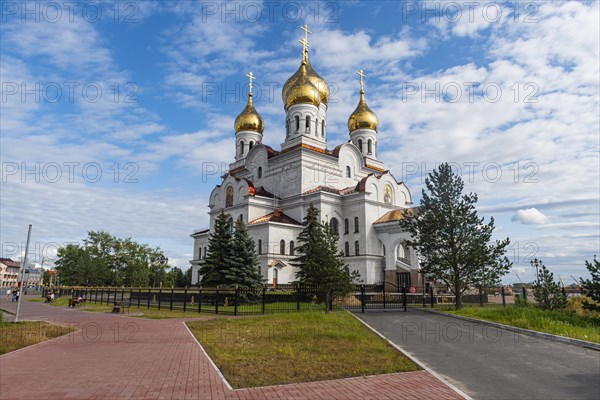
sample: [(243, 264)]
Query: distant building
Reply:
[(9, 272), (33, 276)]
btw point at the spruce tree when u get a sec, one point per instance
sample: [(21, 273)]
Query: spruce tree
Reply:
[(218, 253), (453, 242), (242, 264), (591, 287), (547, 292)]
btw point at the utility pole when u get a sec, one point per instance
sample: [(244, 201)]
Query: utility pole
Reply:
[(22, 275)]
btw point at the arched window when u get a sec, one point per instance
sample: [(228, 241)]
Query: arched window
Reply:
[(230, 225), (356, 225), (317, 127), (323, 128), (259, 172), (347, 249), (357, 248), (348, 172), (346, 226), (334, 226), (308, 123), (241, 147), (259, 246), (282, 247), (370, 146), (287, 129), (205, 252), (250, 145), (292, 248), (241, 217), (200, 253), (383, 247), (297, 122), (402, 253), (360, 145)]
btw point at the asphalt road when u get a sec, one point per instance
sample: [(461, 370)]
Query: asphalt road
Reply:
[(490, 363)]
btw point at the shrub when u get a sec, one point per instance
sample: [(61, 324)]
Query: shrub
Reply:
[(547, 292)]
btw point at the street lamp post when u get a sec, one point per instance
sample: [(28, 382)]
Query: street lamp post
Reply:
[(537, 264)]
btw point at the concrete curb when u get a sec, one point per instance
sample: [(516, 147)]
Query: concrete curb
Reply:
[(529, 332)]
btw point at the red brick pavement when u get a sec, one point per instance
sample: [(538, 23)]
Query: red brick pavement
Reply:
[(119, 357)]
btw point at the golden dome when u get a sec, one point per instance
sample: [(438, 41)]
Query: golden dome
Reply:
[(313, 77), (362, 117), (300, 90), (249, 119)]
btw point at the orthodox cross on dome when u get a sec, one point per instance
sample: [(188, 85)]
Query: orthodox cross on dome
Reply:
[(304, 40), (251, 77), (362, 75)]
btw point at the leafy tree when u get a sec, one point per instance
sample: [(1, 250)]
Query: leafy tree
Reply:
[(591, 287), (319, 261), (453, 242), (547, 292), (241, 268), (218, 253)]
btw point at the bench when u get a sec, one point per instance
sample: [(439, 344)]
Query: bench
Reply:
[(120, 306)]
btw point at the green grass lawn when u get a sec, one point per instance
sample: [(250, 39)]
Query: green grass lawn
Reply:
[(22, 334), (561, 323), (296, 347)]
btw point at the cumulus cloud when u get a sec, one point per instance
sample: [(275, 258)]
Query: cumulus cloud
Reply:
[(530, 216)]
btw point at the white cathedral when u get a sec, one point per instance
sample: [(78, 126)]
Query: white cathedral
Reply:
[(272, 189)]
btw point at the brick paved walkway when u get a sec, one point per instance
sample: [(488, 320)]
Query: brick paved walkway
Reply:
[(118, 357)]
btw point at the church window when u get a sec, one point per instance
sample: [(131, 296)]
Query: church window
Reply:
[(402, 253), (356, 225), (230, 226), (205, 252), (323, 128), (348, 172), (259, 246), (360, 145), (297, 122), (334, 226), (241, 148), (346, 226), (370, 146), (347, 249), (317, 127), (200, 253), (259, 173), (241, 218), (229, 197), (387, 194), (292, 248), (287, 129), (282, 247), (357, 248), (308, 123), (250, 145)]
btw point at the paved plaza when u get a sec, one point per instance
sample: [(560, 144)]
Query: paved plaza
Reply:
[(121, 357)]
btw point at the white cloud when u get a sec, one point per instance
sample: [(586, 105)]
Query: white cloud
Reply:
[(530, 216)]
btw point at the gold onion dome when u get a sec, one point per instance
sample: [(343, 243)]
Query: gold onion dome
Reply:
[(249, 119), (313, 77), (362, 117), (300, 90)]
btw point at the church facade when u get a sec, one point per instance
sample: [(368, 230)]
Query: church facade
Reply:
[(271, 189)]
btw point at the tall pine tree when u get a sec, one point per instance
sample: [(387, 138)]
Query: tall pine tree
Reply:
[(591, 287), (218, 253), (241, 268)]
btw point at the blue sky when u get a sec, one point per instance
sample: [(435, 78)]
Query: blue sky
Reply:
[(508, 92)]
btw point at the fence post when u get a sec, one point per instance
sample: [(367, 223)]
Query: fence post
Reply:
[(264, 298), (184, 298), (139, 296), (159, 297), (235, 300), (384, 295), (327, 301), (362, 298), (149, 297), (524, 290), (217, 300), (432, 297), (298, 297), (503, 299), (424, 300), (199, 299), (102, 296), (122, 294), (171, 300), (404, 297)]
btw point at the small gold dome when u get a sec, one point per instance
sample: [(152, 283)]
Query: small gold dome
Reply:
[(249, 119), (300, 90), (313, 77), (362, 117)]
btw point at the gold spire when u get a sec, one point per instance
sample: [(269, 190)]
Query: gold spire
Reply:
[(249, 119), (362, 117), (313, 76)]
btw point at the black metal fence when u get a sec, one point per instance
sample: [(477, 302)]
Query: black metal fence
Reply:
[(251, 301)]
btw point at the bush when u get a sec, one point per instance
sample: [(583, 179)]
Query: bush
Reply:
[(576, 305)]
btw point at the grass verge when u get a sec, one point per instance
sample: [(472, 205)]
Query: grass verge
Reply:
[(297, 347), (22, 334), (561, 323)]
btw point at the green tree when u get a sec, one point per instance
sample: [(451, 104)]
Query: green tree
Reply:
[(319, 261), (547, 292), (241, 268), (453, 242), (591, 287), (218, 253)]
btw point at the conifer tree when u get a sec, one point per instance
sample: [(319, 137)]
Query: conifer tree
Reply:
[(242, 264), (547, 292), (591, 287), (218, 253)]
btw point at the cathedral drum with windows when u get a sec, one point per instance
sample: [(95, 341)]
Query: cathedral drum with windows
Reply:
[(272, 189)]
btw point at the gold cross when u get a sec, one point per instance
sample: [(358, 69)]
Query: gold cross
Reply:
[(306, 31), (251, 78), (305, 45), (362, 75)]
